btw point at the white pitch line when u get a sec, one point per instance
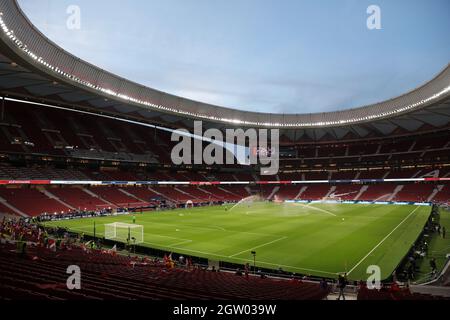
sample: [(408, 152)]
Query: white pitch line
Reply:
[(220, 228), (241, 259), (381, 242), (180, 243), (262, 245), (162, 236), (190, 250), (186, 226), (81, 228), (287, 266)]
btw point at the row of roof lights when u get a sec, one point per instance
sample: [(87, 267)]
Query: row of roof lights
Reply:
[(10, 33)]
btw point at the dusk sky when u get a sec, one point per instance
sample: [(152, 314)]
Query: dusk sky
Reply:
[(289, 56)]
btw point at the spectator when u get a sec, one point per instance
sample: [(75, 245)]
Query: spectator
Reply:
[(342, 283), (262, 275), (433, 266), (323, 285), (410, 272)]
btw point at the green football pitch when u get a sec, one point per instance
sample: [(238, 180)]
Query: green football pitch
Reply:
[(316, 239)]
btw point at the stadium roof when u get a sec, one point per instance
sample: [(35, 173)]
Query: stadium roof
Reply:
[(33, 66)]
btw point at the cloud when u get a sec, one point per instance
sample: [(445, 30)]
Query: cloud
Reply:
[(252, 64)]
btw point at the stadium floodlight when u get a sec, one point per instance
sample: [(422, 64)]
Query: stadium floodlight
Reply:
[(124, 232)]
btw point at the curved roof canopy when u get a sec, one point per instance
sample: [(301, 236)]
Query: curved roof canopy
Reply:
[(28, 47)]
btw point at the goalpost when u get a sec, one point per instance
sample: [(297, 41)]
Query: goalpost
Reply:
[(124, 232)]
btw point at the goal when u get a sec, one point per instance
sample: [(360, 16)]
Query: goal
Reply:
[(124, 232)]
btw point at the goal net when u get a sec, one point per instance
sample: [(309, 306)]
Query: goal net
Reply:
[(124, 232)]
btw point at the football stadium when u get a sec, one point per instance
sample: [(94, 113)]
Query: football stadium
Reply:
[(113, 190)]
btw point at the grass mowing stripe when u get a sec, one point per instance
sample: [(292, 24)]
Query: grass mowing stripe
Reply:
[(317, 244), (384, 239)]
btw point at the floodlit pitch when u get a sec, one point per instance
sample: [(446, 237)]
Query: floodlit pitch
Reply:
[(316, 239)]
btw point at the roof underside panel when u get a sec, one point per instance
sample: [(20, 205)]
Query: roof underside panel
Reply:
[(31, 47)]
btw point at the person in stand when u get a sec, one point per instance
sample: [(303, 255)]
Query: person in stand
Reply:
[(323, 285), (410, 272), (189, 263), (247, 270), (342, 283), (433, 266)]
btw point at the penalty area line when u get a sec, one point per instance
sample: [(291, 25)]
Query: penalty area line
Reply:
[(180, 243), (85, 229), (242, 259)]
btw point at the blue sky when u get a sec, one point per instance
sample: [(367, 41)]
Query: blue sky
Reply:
[(288, 56)]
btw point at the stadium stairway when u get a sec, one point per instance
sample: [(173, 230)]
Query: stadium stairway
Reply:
[(189, 196), (414, 192), (31, 201), (377, 192), (94, 195), (9, 209), (272, 194), (54, 197), (77, 198), (143, 193), (396, 191), (363, 189), (316, 192), (331, 191), (162, 195), (299, 194), (443, 196), (436, 190), (216, 193), (130, 195), (113, 196), (286, 193), (235, 193)]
